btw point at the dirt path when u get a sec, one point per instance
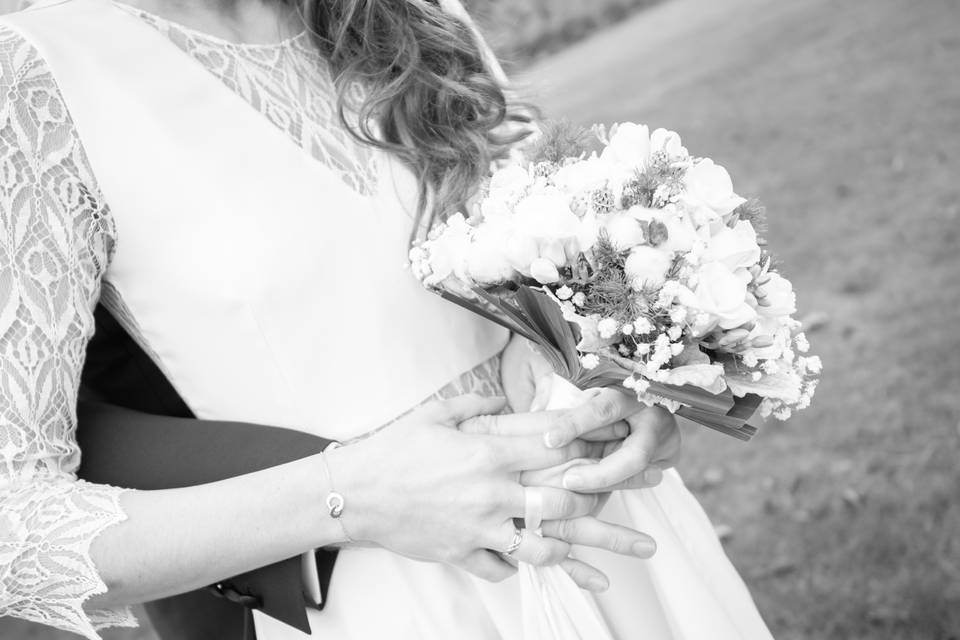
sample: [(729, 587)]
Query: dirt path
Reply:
[(844, 117)]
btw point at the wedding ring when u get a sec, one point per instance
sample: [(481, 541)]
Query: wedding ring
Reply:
[(517, 541), (533, 508)]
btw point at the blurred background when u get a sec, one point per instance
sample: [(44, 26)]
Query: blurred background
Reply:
[(844, 117)]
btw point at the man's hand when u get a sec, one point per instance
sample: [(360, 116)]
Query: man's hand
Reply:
[(636, 444)]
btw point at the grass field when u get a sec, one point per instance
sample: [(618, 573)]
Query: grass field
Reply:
[(844, 117)]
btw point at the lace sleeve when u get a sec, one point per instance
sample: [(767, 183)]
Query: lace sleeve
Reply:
[(55, 241)]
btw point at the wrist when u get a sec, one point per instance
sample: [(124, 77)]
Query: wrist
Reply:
[(346, 477)]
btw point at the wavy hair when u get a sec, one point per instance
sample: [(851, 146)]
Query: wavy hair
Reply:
[(429, 87)]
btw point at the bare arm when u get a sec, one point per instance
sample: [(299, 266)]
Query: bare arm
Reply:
[(179, 539)]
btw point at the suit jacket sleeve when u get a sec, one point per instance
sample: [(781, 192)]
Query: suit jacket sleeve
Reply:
[(135, 431)]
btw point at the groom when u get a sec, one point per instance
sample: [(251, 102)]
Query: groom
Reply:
[(135, 431)]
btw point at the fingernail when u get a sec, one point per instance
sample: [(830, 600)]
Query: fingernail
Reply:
[(573, 480), (597, 584), (644, 548), (621, 430), (652, 475), (552, 439)]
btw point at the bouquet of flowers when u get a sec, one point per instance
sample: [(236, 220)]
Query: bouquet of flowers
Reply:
[(636, 265)]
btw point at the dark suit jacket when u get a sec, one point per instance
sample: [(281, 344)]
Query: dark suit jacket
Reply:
[(135, 431)]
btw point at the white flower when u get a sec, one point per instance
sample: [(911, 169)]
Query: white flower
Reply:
[(510, 181), (721, 295), (521, 250), (637, 384), (681, 231), (629, 146), (589, 361), (590, 340), (709, 184), (582, 176), (564, 292), (768, 339), (546, 214), (668, 142), (674, 332), (627, 329), (486, 259), (448, 250), (779, 299), (784, 386), (803, 345), (705, 376), (545, 227), (544, 271), (579, 298), (647, 266), (643, 325), (736, 247), (607, 328), (783, 413), (624, 230), (486, 264)]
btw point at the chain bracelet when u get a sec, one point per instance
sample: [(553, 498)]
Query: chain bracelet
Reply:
[(335, 501)]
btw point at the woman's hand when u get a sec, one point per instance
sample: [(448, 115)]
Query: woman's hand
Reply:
[(639, 442), (426, 490)]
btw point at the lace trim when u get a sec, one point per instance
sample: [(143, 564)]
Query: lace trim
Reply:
[(57, 238), (483, 380), (291, 85), (46, 572)]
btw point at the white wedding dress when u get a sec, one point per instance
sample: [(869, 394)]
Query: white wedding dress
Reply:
[(208, 192)]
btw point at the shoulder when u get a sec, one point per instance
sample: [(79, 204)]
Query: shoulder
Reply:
[(47, 169), (20, 62)]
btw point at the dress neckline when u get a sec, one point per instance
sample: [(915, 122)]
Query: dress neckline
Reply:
[(218, 40)]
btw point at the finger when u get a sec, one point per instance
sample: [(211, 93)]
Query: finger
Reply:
[(629, 460), (553, 476), (522, 453), (656, 420), (616, 431), (554, 504), (668, 453), (604, 408), (538, 551), (634, 455), (466, 406), (488, 565), (649, 478), (502, 425), (585, 576), (591, 532)]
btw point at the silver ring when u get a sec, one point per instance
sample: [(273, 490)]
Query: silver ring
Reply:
[(517, 541)]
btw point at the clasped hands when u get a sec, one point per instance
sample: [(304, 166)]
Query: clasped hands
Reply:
[(446, 483)]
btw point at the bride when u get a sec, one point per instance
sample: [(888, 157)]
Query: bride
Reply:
[(239, 180)]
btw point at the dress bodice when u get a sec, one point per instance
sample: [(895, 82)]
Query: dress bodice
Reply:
[(194, 230)]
